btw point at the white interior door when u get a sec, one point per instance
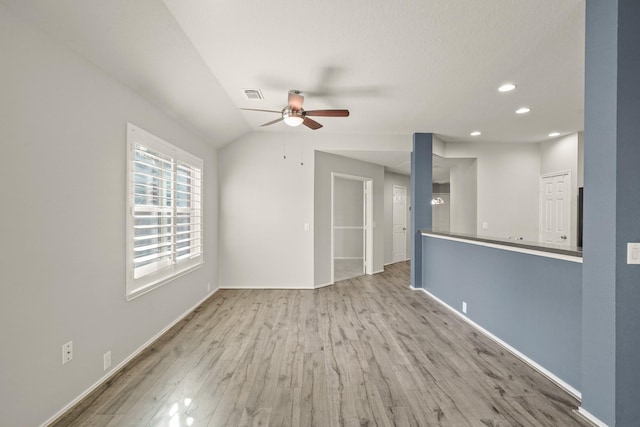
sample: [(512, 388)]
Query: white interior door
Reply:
[(555, 208), (399, 223)]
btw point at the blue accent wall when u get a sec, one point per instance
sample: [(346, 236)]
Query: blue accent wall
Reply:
[(628, 215), (598, 362), (532, 303), (421, 194), (611, 302)]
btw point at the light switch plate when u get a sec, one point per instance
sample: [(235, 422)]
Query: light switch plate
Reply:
[(633, 253)]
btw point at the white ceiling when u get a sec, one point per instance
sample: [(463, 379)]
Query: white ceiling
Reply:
[(393, 161), (400, 67)]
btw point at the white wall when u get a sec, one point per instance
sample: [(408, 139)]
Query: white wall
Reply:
[(507, 187), (441, 214), (391, 179), (63, 130), (504, 179), (580, 159), (265, 201), (562, 155), (464, 197)]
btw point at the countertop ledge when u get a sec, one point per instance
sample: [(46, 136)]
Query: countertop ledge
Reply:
[(535, 246)]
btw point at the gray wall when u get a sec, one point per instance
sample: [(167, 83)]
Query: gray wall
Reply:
[(348, 208), (532, 303), (63, 135), (348, 199), (325, 164)]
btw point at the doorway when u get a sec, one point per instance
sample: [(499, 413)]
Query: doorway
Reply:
[(399, 251), (555, 208), (351, 225)]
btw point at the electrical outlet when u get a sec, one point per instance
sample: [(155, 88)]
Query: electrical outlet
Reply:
[(106, 360), (67, 352), (464, 307)]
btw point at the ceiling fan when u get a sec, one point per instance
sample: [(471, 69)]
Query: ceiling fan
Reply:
[(294, 115)]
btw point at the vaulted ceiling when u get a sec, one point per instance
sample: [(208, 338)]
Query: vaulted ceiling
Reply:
[(400, 67)]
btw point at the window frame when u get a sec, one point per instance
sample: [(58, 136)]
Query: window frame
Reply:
[(169, 265)]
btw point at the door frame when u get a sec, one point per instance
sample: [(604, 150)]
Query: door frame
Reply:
[(367, 184)]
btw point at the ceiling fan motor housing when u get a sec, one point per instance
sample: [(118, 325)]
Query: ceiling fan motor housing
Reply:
[(290, 112)]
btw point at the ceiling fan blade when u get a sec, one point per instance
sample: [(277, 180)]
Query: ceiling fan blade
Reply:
[(266, 111), (295, 100), (272, 122), (311, 124), (328, 113)]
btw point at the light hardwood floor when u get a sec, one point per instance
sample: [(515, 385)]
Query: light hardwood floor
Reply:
[(367, 351)]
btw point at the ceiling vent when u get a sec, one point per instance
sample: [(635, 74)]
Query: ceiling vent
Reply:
[(253, 94)]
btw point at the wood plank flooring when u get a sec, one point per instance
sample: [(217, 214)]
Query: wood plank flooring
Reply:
[(365, 352)]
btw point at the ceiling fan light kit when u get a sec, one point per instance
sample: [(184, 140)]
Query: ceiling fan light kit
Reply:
[(294, 115)]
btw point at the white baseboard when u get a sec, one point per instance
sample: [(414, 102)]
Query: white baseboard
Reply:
[(395, 262), (550, 375), (590, 417), (323, 285), (378, 271), (269, 287), (122, 364)]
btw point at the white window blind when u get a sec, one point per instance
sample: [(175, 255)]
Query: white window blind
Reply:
[(164, 222)]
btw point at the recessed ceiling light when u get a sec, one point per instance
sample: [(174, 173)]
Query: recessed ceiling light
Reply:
[(523, 110), (476, 133), (507, 87), (552, 134)]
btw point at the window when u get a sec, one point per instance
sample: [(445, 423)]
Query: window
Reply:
[(164, 220)]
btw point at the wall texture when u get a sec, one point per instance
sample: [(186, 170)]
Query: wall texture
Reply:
[(63, 136)]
